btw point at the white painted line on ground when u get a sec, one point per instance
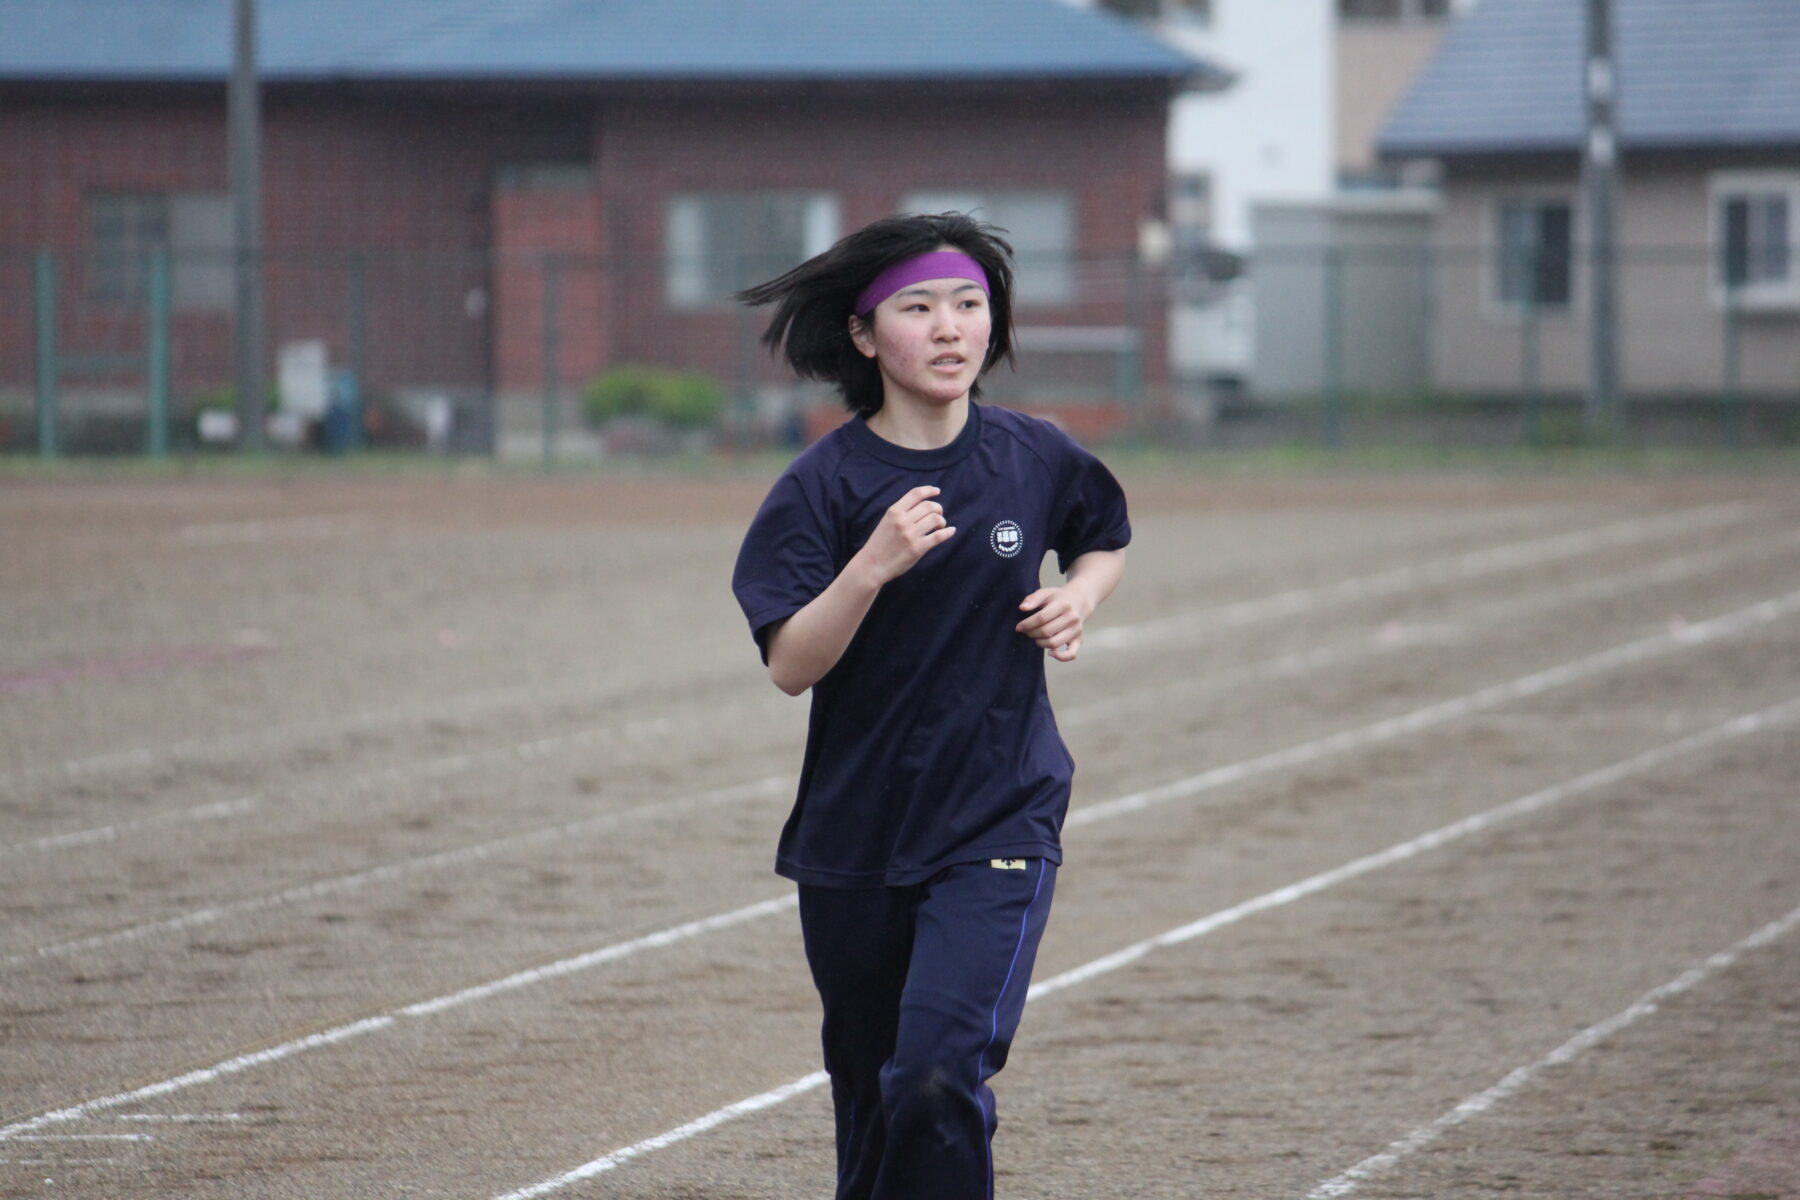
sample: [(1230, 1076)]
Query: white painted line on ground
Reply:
[(755, 790), (83, 1137), (540, 694), (1534, 684), (1390, 640), (1593, 1035), (1750, 723), (270, 529), (1187, 787), (355, 1029), (1514, 554), (1764, 611), (182, 1118), (381, 777), (231, 1066), (712, 1120), (1471, 565), (1664, 571), (606, 954)]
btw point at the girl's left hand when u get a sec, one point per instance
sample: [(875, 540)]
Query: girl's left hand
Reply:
[(1058, 617)]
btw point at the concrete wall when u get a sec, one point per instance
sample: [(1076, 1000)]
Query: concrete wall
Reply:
[(1367, 257)]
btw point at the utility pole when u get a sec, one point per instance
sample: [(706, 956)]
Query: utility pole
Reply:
[(1599, 170), (244, 117)]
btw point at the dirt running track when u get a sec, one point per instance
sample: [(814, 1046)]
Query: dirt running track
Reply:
[(1434, 837)]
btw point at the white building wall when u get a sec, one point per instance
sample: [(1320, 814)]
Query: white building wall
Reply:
[(1270, 136)]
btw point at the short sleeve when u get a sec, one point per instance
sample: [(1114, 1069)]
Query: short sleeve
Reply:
[(785, 561), (1090, 504)]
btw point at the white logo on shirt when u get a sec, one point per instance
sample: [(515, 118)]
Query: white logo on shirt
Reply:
[(1007, 539)]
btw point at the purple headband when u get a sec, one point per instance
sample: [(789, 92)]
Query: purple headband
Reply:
[(937, 264)]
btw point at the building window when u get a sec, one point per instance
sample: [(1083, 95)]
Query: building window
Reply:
[(1534, 246), (1393, 10), (126, 228), (1754, 230), (1040, 226), (719, 242), (1193, 11)]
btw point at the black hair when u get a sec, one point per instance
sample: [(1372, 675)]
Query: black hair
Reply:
[(814, 302)]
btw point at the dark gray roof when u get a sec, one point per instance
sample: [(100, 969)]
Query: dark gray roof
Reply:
[(1691, 74), (582, 39)]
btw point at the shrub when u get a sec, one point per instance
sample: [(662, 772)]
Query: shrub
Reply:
[(682, 399)]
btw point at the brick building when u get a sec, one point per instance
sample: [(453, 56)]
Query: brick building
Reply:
[(426, 168)]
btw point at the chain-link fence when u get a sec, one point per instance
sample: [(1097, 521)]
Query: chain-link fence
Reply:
[(562, 356)]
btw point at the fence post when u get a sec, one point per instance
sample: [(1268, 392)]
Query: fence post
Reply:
[(1129, 375), (552, 355), (359, 321), (45, 293), (1529, 367), (158, 358), (1334, 347), (1733, 416)]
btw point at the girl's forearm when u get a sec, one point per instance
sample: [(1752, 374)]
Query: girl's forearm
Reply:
[(1096, 574), (804, 648)]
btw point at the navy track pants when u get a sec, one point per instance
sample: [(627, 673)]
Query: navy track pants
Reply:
[(923, 987)]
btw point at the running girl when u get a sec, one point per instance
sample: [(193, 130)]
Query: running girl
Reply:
[(893, 570)]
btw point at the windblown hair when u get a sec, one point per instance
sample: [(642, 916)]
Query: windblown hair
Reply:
[(814, 302)]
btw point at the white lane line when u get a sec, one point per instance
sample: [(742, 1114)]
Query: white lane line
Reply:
[(682, 1133), (1665, 571), (182, 1118), (1524, 687), (1186, 787), (755, 790), (1593, 1035), (579, 690), (83, 1137), (1510, 555), (1473, 564), (1767, 610), (606, 954), (1780, 714), (1396, 638), (380, 777), (246, 533), (355, 1029)]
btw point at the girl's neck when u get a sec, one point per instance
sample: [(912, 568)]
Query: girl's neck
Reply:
[(919, 427)]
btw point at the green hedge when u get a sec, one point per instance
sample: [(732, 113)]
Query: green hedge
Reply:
[(683, 399)]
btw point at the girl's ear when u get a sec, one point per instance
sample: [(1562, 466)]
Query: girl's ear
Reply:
[(862, 335)]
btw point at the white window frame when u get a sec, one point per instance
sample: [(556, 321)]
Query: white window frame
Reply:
[(686, 283), (1410, 12), (1043, 276), (1767, 295), (1177, 12), (1500, 307)]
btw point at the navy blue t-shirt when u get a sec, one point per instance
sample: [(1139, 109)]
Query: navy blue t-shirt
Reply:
[(931, 741)]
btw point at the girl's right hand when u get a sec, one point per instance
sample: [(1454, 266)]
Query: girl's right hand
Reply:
[(910, 527)]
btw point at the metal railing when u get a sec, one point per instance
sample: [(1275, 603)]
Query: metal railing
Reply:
[(497, 354)]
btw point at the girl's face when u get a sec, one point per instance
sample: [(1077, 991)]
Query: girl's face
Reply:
[(929, 339)]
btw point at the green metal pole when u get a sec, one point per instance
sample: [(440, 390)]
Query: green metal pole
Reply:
[(1334, 347), (1734, 396), (1129, 372), (359, 321), (552, 355), (46, 353), (159, 354), (1529, 382)]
